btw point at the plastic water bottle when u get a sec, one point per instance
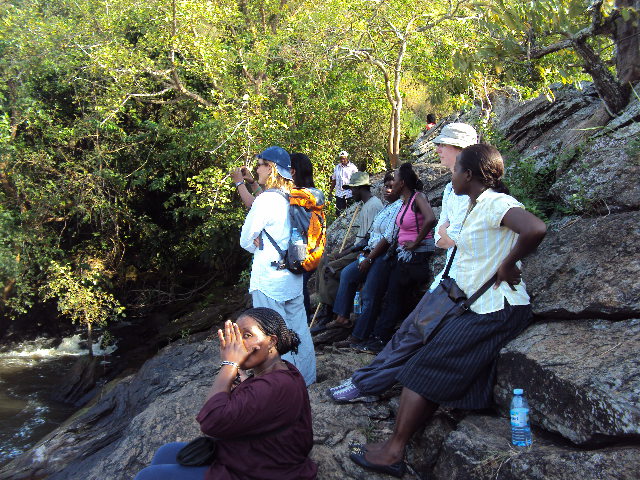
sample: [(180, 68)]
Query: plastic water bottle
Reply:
[(296, 238), (520, 430), (357, 308)]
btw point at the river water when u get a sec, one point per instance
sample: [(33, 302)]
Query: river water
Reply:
[(29, 374)]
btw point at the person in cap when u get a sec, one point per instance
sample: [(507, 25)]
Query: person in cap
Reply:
[(368, 382), (452, 139), (331, 266), (341, 175), (270, 287)]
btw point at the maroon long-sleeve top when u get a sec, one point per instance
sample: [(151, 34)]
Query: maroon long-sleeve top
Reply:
[(263, 428)]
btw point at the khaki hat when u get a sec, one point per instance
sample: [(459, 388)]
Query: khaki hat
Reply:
[(457, 134), (358, 179)]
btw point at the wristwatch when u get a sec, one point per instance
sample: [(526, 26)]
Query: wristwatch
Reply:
[(239, 183)]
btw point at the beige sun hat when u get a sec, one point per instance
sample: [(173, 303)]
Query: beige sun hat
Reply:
[(457, 134)]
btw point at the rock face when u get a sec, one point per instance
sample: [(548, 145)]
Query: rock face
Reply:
[(602, 172), (581, 378), (577, 362), (588, 267), (479, 449)]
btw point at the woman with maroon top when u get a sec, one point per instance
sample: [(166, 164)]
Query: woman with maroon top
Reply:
[(263, 423)]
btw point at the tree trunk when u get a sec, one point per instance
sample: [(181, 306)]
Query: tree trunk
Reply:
[(614, 95), (627, 38), (393, 160), (90, 339), (396, 134)]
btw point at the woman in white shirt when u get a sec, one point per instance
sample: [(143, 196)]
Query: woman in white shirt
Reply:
[(269, 286)]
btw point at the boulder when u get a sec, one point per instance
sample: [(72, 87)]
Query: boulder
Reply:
[(603, 178), (539, 129), (480, 448), (588, 268), (579, 376), (116, 435)]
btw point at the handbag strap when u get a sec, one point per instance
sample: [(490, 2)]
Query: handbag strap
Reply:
[(485, 286)]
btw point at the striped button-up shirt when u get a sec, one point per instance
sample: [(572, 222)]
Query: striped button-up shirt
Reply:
[(482, 246), (383, 221)]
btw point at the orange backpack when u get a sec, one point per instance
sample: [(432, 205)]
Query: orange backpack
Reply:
[(308, 234)]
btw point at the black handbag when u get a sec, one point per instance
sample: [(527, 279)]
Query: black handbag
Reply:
[(446, 301), (197, 453)]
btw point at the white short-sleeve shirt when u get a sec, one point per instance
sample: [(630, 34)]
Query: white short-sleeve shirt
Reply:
[(342, 175), (482, 246)]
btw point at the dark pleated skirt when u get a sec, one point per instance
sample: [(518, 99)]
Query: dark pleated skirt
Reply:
[(456, 368)]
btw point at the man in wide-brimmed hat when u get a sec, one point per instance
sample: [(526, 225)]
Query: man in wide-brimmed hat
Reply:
[(329, 271)]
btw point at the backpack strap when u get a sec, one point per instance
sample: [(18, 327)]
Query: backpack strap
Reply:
[(273, 242)]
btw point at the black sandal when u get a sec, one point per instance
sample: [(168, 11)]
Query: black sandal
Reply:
[(396, 469)]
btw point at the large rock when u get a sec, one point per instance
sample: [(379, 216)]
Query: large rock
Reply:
[(604, 177), (117, 435), (540, 128), (588, 268), (480, 449), (580, 377)]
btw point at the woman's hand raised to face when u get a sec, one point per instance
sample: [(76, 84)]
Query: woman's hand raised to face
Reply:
[(232, 348)]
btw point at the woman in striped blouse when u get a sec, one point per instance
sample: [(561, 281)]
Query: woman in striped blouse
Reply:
[(456, 367)]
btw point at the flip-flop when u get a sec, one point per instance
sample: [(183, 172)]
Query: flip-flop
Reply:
[(395, 469)]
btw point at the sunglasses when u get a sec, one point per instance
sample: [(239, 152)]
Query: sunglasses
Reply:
[(260, 162)]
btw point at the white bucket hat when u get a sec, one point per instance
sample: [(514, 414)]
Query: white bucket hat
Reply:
[(343, 153), (457, 134)]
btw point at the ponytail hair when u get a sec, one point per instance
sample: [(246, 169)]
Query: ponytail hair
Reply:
[(485, 164), (272, 323), (410, 177)]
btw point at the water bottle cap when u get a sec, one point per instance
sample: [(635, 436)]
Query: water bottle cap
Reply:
[(518, 391)]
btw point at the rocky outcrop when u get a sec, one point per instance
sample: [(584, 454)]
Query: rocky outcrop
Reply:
[(479, 449), (581, 378), (601, 173), (587, 268)]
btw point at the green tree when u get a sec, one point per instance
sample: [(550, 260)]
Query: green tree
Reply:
[(81, 297), (532, 30)]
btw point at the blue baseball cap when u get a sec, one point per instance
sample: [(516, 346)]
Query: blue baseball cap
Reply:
[(280, 157)]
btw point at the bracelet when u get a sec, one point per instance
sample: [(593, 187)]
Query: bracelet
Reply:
[(238, 184), (227, 362)]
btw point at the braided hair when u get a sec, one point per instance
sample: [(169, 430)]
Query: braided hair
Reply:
[(272, 323), (485, 164), (410, 177)]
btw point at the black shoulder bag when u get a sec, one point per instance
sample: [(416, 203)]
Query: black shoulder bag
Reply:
[(447, 300)]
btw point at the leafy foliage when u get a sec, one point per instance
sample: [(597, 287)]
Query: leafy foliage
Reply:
[(120, 120)]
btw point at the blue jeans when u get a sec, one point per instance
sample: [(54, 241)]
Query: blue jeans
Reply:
[(296, 319), (375, 283), (405, 281), (164, 466)]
